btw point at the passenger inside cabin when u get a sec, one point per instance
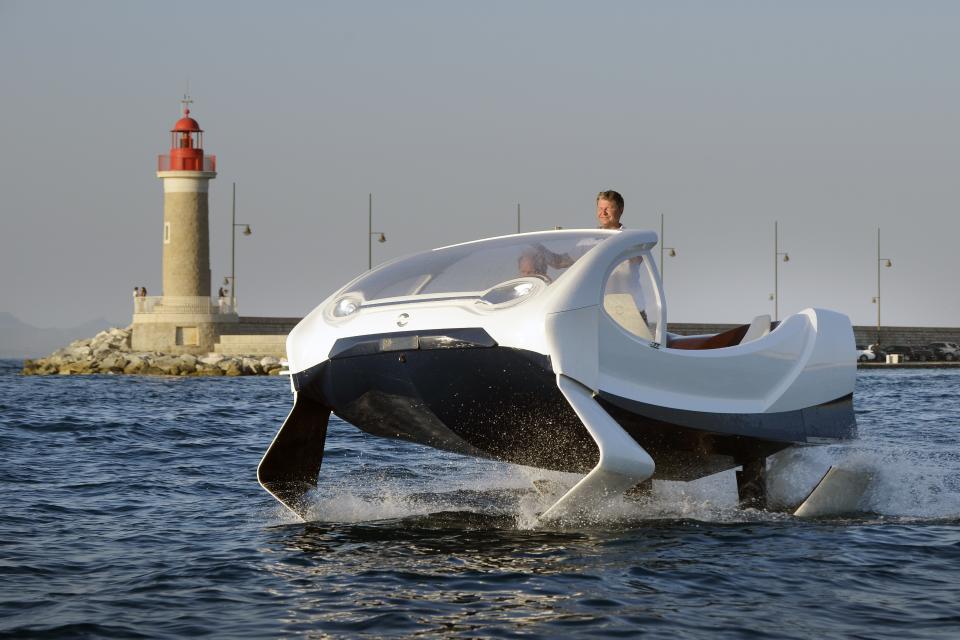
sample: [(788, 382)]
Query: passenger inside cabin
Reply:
[(533, 262)]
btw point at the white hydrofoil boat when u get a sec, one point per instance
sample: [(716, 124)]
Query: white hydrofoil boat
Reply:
[(551, 350)]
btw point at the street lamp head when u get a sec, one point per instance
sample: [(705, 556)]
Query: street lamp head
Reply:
[(247, 230), (226, 280), (786, 257), (673, 253), (382, 238), (874, 301), (771, 296), (888, 263)]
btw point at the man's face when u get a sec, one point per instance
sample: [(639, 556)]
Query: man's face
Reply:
[(526, 266), (608, 214)]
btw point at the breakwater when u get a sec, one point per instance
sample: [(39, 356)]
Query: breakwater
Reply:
[(110, 352), (863, 334)]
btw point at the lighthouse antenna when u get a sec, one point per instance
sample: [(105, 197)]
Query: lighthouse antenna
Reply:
[(187, 100)]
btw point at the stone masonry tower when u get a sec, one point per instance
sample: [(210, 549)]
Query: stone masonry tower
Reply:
[(184, 319)]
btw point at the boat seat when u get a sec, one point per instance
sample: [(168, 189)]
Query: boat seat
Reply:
[(758, 328), (623, 309), (728, 338)]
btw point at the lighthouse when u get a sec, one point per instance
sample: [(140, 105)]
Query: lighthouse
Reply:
[(184, 319), (186, 173)]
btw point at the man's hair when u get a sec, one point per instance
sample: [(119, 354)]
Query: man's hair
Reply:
[(612, 196), (537, 260)]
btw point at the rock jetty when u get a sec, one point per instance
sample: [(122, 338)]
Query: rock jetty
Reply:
[(109, 352)]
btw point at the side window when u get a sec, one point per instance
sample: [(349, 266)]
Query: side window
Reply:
[(630, 298)]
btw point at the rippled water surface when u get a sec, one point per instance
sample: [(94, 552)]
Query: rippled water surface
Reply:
[(130, 508)]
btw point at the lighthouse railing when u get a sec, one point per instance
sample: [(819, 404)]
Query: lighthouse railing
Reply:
[(182, 304), (169, 163)]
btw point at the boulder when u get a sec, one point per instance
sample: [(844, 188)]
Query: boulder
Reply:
[(151, 370), (251, 367), (79, 352), (168, 365), (134, 364), (113, 362), (188, 359), (209, 370), (269, 362), (75, 368), (234, 367)]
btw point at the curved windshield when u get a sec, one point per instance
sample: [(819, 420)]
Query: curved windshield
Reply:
[(477, 266)]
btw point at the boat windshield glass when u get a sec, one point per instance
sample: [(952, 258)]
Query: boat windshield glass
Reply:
[(477, 266)]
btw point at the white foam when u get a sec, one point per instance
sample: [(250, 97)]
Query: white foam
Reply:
[(905, 484)]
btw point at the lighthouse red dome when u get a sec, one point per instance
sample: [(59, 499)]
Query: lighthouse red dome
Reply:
[(186, 123)]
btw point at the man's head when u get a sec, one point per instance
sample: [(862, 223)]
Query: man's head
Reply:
[(532, 263), (609, 209)]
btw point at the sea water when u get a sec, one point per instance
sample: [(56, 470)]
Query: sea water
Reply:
[(129, 508)]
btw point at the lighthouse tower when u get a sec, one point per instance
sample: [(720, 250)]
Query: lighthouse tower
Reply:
[(186, 175), (184, 319)]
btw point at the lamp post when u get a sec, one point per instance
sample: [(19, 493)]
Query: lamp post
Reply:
[(886, 262), (672, 254), (382, 237), (518, 217), (233, 249), (775, 296)]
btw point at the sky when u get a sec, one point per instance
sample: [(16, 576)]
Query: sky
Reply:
[(832, 118)]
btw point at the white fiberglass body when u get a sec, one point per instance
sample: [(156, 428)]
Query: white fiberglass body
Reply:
[(532, 334)]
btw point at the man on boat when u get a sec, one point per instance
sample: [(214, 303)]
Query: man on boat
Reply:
[(609, 210), (626, 278)]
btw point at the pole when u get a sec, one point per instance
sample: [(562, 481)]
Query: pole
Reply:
[(661, 247), (370, 233), (233, 251), (878, 286), (518, 217), (776, 272)]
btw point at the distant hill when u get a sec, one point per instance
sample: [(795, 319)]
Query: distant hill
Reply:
[(21, 340)]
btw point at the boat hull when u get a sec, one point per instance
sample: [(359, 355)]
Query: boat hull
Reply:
[(503, 403)]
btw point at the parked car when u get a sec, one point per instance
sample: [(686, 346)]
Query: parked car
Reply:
[(948, 351), (924, 354), (869, 353), (905, 352), (911, 354)]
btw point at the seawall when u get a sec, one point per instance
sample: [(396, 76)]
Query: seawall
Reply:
[(863, 334)]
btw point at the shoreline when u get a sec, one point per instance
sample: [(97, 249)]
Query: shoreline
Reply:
[(109, 352), (909, 365)]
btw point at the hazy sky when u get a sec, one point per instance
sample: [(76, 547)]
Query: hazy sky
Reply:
[(832, 117)]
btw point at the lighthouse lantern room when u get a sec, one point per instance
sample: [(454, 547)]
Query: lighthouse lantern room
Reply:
[(186, 146)]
